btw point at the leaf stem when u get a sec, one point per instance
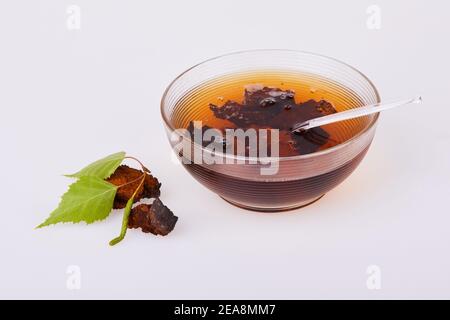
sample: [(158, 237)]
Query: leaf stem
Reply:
[(144, 168), (126, 214)]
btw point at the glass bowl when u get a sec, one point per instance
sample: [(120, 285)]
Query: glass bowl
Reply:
[(300, 180)]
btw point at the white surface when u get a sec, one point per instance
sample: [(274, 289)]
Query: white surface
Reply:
[(69, 97)]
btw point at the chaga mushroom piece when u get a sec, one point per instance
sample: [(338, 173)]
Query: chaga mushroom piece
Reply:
[(155, 218), (216, 136), (267, 107), (325, 108), (260, 105), (301, 112), (267, 96), (128, 179), (309, 141)]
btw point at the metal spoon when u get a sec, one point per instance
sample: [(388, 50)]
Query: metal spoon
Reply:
[(351, 113)]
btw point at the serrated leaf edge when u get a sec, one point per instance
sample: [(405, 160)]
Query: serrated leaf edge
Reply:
[(77, 176), (45, 224)]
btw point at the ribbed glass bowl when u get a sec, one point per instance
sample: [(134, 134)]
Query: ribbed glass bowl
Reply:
[(301, 179)]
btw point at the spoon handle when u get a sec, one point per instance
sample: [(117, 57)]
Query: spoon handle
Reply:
[(351, 113)]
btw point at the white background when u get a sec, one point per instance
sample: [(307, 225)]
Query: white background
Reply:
[(70, 97)]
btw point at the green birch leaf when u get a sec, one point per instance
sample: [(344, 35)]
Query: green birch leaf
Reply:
[(89, 199), (126, 215), (102, 168)]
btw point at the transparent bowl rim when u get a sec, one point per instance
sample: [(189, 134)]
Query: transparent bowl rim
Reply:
[(298, 157)]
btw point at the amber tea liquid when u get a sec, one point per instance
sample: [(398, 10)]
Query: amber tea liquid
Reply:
[(258, 193)]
